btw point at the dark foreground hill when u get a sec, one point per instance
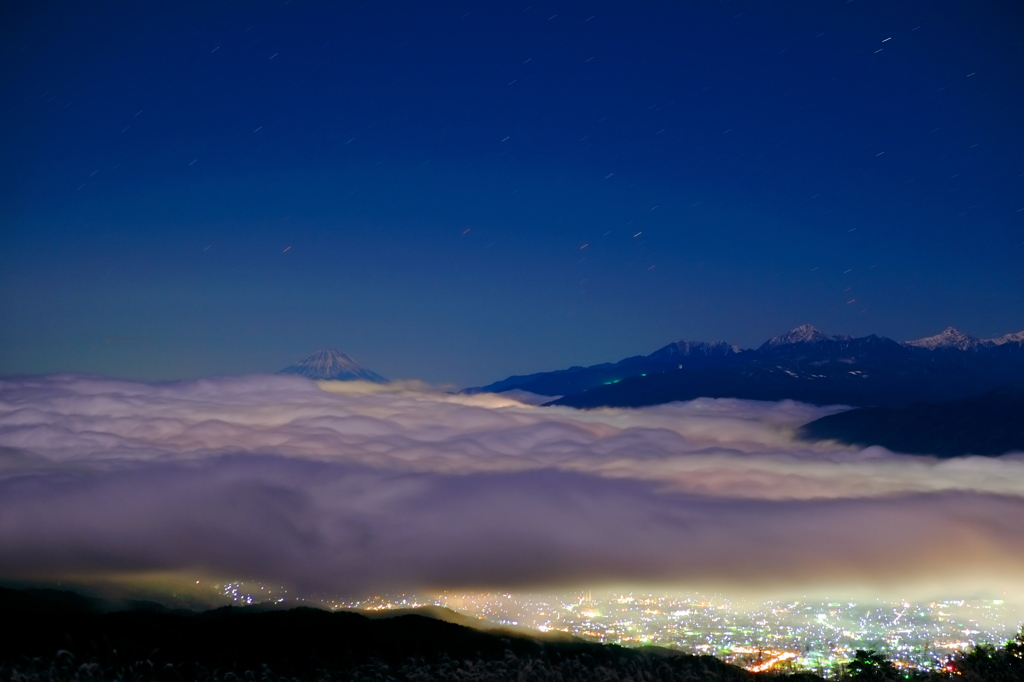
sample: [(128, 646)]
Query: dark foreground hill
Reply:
[(990, 424), (58, 635)]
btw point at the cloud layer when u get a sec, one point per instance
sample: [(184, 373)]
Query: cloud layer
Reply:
[(344, 488)]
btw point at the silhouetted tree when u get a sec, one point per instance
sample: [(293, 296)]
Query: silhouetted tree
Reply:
[(988, 663), (870, 666)]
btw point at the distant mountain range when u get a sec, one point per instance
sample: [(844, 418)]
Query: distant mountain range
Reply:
[(803, 364), (330, 364), (950, 394), (956, 339)]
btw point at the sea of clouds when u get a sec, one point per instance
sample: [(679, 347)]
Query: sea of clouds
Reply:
[(343, 488)]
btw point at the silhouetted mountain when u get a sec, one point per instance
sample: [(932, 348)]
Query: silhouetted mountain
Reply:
[(803, 364), (571, 380), (303, 643), (990, 424), (576, 379), (331, 364)]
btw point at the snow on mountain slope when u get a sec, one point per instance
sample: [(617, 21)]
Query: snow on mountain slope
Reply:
[(949, 338), (332, 364), (690, 349), (805, 333), (1017, 337)]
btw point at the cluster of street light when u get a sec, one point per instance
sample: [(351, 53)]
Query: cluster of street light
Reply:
[(808, 634), (758, 635)]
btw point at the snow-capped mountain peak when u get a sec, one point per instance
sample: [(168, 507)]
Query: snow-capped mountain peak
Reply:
[(689, 349), (1016, 337), (805, 333), (950, 337), (332, 364)]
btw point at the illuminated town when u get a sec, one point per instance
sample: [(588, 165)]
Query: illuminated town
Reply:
[(809, 635)]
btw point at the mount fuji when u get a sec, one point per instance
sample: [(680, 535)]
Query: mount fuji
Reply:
[(330, 364)]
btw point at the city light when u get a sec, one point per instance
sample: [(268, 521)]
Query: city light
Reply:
[(808, 634)]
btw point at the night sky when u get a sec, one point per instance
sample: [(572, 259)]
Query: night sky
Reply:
[(459, 191)]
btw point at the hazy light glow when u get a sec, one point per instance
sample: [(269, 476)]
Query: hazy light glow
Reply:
[(350, 487)]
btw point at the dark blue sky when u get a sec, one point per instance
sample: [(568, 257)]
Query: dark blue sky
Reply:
[(458, 191)]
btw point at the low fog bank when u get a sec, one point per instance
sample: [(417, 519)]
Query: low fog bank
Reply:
[(349, 487)]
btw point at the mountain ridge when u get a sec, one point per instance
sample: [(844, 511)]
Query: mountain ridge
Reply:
[(301, 642), (803, 364)]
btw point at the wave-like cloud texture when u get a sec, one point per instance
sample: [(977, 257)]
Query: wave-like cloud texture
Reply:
[(349, 487)]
